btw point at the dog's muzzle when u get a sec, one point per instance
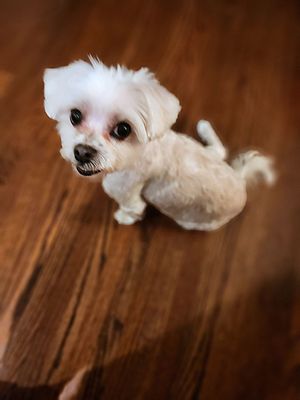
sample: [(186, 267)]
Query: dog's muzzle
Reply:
[(85, 155)]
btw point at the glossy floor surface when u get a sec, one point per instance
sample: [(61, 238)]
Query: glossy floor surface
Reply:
[(93, 310)]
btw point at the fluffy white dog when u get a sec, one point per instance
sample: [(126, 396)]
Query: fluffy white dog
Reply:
[(119, 121)]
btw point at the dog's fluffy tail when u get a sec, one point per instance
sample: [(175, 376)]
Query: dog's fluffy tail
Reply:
[(253, 166)]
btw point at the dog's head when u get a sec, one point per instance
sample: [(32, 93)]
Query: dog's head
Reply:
[(105, 114)]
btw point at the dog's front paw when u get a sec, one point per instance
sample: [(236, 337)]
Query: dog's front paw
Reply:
[(125, 218)]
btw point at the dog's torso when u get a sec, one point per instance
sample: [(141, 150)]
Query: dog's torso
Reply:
[(184, 180)]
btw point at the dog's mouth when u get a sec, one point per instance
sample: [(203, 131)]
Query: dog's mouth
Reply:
[(87, 171)]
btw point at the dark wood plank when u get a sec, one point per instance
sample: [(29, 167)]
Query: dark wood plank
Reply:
[(150, 311)]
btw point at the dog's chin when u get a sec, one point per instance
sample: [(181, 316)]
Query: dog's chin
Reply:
[(87, 172)]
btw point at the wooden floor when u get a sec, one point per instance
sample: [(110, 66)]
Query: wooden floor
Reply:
[(92, 310)]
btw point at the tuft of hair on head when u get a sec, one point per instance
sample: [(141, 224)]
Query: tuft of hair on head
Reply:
[(254, 167), (95, 62)]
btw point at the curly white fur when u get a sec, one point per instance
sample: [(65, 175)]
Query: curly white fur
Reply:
[(186, 180)]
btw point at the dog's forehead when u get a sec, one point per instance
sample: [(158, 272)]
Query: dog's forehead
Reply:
[(104, 92)]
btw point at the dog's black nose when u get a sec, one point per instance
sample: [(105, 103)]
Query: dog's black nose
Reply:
[(84, 153)]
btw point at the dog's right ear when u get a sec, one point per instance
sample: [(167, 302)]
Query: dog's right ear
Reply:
[(59, 86)]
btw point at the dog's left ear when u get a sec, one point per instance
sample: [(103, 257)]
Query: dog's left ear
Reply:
[(162, 106)]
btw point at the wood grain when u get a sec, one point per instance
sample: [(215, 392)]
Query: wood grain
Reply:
[(150, 311)]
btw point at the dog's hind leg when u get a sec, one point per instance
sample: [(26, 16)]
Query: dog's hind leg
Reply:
[(209, 137)]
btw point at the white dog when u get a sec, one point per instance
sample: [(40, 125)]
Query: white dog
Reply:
[(119, 121)]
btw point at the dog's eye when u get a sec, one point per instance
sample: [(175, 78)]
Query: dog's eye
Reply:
[(121, 131), (75, 116)]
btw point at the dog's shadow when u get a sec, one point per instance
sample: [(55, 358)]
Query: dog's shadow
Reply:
[(99, 208)]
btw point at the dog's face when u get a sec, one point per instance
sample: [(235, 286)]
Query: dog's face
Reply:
[(105, 114)]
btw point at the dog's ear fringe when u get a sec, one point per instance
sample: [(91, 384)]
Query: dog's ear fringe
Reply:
[(58, 82), (163, 106), (48, 78)]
